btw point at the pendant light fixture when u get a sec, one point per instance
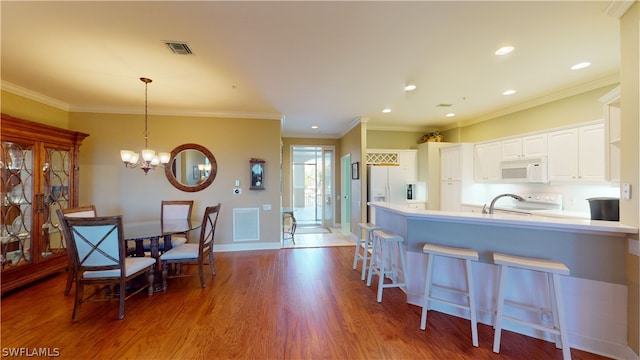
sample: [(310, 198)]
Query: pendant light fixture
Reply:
[(149, 159)]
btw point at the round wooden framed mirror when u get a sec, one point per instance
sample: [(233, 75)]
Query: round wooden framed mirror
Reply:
[(192, 168)]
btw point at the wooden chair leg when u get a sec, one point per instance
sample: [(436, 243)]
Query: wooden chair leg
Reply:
[(165, 272), (211, 264), (70, 277), (123, 295), (201, 272), (151, 277), (78, 301)]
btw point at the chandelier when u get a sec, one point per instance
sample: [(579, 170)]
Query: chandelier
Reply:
[(149, 159)]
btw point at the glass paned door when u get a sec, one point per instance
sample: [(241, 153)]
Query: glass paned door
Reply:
[(313, 184)]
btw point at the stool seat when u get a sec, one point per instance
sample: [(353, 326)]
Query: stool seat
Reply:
[(531, 263), (466, 256), (384, 241), (365, 243), (552, 270), (449, 251)]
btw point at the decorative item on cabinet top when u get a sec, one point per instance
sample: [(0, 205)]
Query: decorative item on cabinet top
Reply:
[(433, 136), (257, 174)]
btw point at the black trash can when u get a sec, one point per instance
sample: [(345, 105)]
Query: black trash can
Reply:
[(603, 208)]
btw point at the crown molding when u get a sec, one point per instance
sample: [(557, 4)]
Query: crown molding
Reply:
[(32, 95), (617, 8)]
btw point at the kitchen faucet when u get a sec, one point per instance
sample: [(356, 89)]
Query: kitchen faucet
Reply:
[(493, 202)]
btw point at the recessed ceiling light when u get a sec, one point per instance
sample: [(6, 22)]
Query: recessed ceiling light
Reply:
[(581, 65), (314, 126), (387, 110), (509, 92), (450, 115), (504, 50), (410, 87)]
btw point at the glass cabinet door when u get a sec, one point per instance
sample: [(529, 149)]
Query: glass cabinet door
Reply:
[(16, 220), (56, 181)]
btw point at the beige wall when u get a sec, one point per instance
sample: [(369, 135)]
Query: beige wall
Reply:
[(352, 143), (114, 189), (385, 139), (630, 171), (23, 108)]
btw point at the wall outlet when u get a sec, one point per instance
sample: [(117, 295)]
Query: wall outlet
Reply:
[(266, 207), (626, 191)]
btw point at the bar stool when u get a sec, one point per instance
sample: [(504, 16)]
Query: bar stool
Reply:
[(553, 270), (384, 241), (464, 255), (367, 241)]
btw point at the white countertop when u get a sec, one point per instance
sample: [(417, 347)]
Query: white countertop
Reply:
[(547, 213), (521, 221)]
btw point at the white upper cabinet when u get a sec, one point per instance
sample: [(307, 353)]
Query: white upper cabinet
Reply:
[(577, 154), (486, 162), (450, 163), (524, 147)]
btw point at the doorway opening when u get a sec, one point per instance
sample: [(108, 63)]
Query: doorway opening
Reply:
[(312, 185)]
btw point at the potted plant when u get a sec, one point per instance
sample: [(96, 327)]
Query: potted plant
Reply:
[(433, 136)]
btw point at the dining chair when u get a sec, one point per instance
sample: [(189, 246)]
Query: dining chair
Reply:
[(176, 210), (100, 259), (191, 253), (173, 210), (83, 211)]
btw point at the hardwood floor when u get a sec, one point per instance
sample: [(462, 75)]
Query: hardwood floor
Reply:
[(273, 304)]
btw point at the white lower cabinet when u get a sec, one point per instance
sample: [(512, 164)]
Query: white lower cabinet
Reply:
[(451, 196)]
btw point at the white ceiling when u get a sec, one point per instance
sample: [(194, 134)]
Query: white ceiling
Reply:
[(310, 63)]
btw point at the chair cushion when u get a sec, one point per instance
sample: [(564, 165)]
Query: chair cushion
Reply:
[(186, 251), (132, 265)]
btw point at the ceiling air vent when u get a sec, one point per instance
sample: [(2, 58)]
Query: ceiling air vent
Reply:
[(443, 105), (179, 48)]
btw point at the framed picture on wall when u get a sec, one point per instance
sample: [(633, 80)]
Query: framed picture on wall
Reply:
[(196, 172), (355, 171)]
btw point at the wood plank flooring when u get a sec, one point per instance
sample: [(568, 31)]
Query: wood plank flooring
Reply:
[(273, 304)]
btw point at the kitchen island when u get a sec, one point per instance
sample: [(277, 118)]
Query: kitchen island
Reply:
[(595, 251)]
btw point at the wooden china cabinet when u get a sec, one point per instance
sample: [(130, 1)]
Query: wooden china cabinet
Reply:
[(38, 174)]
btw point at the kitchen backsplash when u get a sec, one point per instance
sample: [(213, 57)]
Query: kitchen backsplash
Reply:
[(574, 196)]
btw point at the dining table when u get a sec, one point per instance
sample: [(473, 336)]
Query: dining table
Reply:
[(156, 231)]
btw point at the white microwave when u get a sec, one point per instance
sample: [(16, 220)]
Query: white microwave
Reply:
[(533, 170)]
